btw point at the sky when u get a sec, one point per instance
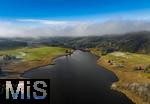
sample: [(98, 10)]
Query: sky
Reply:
[(40, 18)]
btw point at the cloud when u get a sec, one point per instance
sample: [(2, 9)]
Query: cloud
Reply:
[(46, 22), (46, 28)]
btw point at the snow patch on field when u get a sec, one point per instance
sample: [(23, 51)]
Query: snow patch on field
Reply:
[(120, 54), (21, 55)]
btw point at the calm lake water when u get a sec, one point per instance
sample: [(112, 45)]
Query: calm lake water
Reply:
[(77, 79)]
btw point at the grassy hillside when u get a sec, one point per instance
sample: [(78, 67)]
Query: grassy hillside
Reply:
[(129, 59), (32, 57), (30, 54), (133, 71)]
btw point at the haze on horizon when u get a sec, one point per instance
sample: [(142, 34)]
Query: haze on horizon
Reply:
[(42, 18)]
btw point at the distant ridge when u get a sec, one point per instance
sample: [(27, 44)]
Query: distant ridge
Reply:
[(136, 42)]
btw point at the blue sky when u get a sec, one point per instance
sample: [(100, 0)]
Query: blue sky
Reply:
[(72, 9), (42, 18)]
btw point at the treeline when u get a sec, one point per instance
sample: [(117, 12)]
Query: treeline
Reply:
[(136, 42), (10, 43)]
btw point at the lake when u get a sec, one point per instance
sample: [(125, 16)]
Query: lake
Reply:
[(77, 79)]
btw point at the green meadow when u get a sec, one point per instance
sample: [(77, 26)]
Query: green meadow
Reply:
[(30, 54)]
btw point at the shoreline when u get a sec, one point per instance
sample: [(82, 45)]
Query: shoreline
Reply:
[(36, 64), (44, 65), (113, 85), (134, 84), (118, 85)]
